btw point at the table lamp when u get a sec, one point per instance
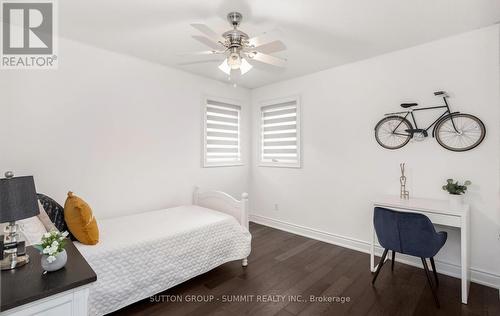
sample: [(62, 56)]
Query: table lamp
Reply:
[(18, 201)]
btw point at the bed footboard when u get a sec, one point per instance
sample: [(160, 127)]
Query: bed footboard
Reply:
[(224, 203)]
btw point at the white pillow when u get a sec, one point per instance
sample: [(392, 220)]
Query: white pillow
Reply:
[(32, 229), (45, 219)]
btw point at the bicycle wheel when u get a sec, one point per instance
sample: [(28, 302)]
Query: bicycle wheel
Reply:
[(391, 132), (469, 133)]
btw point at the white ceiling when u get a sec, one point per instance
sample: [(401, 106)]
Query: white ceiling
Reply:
[(319, 34)]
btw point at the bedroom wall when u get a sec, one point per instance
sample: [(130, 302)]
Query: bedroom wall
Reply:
[(123, 133), (344, 168)]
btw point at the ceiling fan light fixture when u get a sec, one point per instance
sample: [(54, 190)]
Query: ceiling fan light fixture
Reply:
[(234, 61), (245, 66), (224, 67)]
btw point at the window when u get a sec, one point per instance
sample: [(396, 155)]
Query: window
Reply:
[(222, 144), (280, 133)]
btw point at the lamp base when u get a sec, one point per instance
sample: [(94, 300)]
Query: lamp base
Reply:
[(13, 262)]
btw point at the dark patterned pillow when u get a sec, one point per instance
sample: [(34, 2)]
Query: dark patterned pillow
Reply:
[(55, 213)]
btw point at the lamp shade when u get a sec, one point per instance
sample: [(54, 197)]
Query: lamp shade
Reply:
[(18, 199)]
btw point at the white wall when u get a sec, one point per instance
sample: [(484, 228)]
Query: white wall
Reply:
[(123, 133), (344, 167)]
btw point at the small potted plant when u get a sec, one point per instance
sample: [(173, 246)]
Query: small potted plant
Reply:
[(456, 190), (52, 249)]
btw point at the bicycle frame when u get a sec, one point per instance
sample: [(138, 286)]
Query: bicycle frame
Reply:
[(410, 112)]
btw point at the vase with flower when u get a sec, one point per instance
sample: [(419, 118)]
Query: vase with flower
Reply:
[(51, 247), (456, 192)]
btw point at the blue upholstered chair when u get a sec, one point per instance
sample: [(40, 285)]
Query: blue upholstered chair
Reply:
[(410, 234)]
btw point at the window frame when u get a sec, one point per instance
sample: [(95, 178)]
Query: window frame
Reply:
[(296, 165), (204, 162)]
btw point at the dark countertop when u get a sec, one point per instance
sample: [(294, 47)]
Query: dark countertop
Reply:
[(27, 284)]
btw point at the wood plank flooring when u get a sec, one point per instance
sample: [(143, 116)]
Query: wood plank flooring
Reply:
[(292, 267)]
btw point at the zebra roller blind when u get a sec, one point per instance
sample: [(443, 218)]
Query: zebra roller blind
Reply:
[(222, 134), (280, 134)]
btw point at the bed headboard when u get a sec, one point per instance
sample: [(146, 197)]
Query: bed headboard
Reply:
[(224, 203)]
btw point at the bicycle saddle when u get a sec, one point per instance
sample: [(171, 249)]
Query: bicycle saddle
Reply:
[(408, 105)]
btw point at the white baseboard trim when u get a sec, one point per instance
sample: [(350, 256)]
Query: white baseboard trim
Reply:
[(447, 268)]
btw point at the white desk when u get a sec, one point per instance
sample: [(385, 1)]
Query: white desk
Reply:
[(439, 212)]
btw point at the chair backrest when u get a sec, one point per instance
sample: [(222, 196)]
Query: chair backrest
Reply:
[(418, 235), (387, 228), (407, 233)]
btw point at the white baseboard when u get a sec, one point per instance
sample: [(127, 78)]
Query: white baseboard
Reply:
[(447, 268)]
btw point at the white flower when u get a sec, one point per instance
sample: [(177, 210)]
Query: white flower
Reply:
[(51, 259), (46, 250), (55, 243), (53, 250), (46, 235)]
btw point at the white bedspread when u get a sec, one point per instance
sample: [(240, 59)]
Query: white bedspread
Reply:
[(140, 255)]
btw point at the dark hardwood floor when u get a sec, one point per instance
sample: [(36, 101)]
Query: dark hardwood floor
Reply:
[(290, 265)]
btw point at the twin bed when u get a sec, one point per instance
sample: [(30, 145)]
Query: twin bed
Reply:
[(143, 254)]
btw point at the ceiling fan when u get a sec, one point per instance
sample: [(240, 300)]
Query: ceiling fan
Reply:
[(237, 47)]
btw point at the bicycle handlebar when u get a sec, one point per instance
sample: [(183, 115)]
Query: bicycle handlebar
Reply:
[(441, 93)]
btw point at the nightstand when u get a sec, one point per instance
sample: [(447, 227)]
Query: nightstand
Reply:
[(26, 291)]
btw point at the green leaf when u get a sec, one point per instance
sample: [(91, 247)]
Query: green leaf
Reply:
[(38, 247)]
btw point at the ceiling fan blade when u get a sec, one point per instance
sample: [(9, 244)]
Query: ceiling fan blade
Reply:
[(269, 48), (264, 38), (209, 42), (199, 62), (268, 59), (207, 31), (206, 52)]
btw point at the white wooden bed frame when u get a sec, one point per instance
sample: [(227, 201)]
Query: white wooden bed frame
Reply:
[(225, 203)]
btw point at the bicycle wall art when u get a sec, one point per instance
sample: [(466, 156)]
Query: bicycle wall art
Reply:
[(454, 131)]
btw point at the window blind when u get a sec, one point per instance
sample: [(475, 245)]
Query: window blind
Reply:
[(280, 139), (222, 133)]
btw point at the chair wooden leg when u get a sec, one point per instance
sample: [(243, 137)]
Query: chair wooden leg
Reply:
[(380, 264), (428, 274), (393, 258), (434, 271)]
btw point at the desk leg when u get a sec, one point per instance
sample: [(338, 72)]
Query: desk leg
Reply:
[(465, 257)]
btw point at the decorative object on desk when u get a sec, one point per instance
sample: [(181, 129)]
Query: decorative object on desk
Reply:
[(456, 190), (52, 249), (17, 201), (403, 193)]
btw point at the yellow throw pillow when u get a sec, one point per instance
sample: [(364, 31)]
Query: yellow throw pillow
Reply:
[(80, 221)]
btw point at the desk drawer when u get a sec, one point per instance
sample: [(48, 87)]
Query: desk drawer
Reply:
[(69, 303), (58, 305), (436, 218)]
